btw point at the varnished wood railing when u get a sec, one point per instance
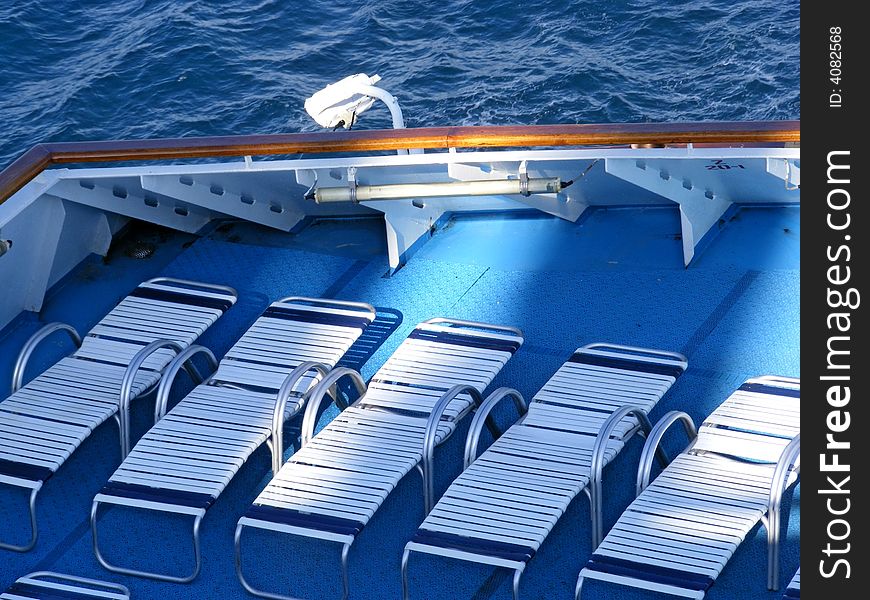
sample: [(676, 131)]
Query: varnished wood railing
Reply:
[(41, 156)]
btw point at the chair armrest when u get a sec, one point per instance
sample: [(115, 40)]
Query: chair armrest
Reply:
[(481, 416), (430, 433), (651, 447), (597, 465), (181, 362), (309, 420), (31, 344), (127, 386), (788, 462), (287, 388)]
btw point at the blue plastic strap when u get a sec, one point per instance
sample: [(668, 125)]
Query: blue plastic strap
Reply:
[(320, 318), (627, 364), (487, 343), (773, 390), (288, 516), (651, 573), (492, 548), (180, 297), (160, 495), (24, 471)]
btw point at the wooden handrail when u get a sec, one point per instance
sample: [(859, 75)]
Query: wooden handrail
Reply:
[(41, 156)]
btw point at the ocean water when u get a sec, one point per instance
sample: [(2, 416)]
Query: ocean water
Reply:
[(90, 69)]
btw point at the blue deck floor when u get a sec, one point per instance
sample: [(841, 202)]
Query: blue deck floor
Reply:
[(615, 276)]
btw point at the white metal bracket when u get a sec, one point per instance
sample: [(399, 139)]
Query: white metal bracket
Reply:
[(410, 222), (351, 183), (407, 226), (128, 199), (701, 203), (789, 170), (212, 194)]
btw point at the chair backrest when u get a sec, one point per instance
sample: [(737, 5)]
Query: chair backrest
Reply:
[(289, 332), (160, 308), (599, 379), (437, 355), (755, 423)]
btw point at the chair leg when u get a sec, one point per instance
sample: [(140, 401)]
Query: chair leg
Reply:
[(197, 550), (772, 524), (34, 535), (422, 473), (245, 584), (345, 578), (345, 550), (579, 588), (516, 588), (405, 556), (596, 511)]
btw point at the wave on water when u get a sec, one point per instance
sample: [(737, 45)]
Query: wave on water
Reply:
[(85, 69)]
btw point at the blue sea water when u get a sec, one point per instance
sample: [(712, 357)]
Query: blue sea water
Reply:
[(89, 69)]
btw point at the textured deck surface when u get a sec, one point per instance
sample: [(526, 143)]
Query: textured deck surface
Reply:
[(616, 276)]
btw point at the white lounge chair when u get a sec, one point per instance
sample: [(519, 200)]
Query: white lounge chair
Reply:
[(793, 591), (192, 453), (333, 485), (121, 358), (54, 586), (504, 505), (681, 530)]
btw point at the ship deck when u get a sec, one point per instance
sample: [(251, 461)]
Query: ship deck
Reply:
[(617, 276)]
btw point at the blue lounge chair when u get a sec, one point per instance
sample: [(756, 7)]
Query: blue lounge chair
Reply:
[(335, 483), (122, 358), (183, 463), (682, 529), (504, 505)]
